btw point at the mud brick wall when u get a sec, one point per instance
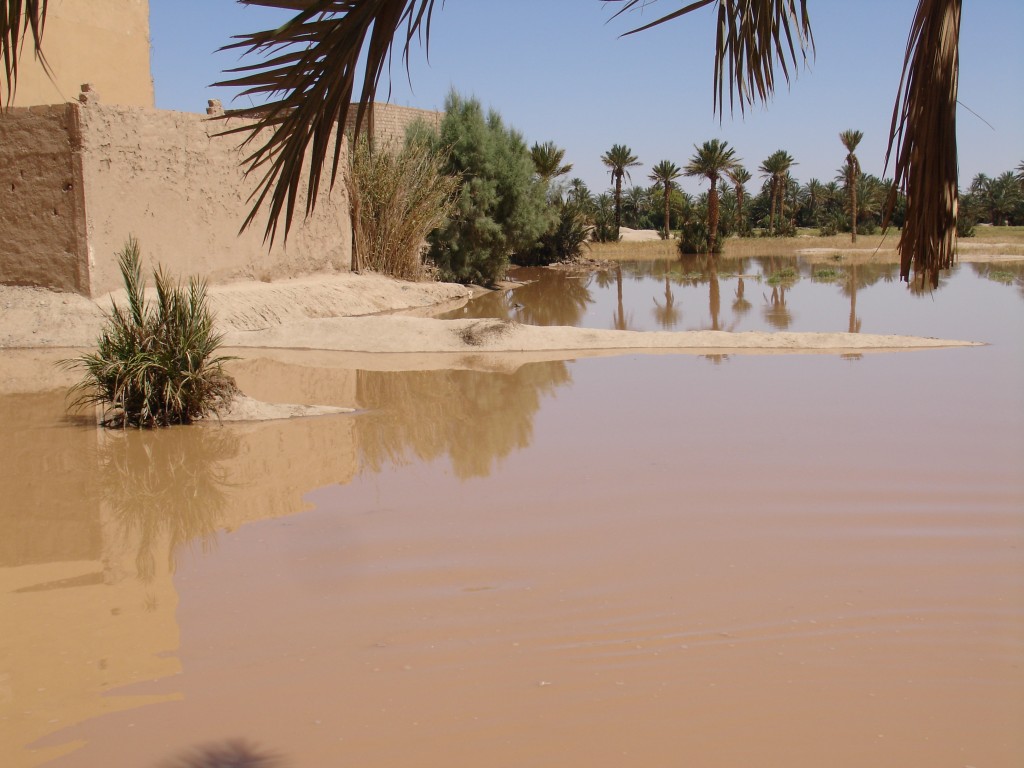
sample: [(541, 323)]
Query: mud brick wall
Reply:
[(390, 122), (76, 180), (42, 205)]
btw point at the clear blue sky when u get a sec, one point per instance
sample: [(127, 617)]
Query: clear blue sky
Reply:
[(559, 70)]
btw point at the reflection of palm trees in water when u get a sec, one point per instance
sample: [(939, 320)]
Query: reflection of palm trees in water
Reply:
[(474, 418), (165, 488), (714, 294), (620, 320), (851, 288), (740, 305), (775, 310), (667, 314)]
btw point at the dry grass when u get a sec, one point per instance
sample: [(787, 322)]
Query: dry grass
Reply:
[(988, 244)]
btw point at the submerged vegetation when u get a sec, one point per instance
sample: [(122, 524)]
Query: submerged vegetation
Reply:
[(155, 365)]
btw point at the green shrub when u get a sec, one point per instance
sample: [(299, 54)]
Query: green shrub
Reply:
[(502, 205), (965, 224), (155, 365), (563, 242), (694, 236), (783, 276), (826, 275), (397, 198)]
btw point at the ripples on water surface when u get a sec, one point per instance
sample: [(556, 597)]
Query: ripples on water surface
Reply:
[(646, 560)]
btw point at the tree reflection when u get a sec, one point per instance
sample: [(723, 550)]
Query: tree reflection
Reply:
[(714, 295), (776, 313), (165, 488), (668, 314), (620, 320), (475, 418), (740, 305)]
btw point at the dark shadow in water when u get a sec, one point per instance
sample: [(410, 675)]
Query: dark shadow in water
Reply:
[(475, 418), (165, 488), (231, 754)]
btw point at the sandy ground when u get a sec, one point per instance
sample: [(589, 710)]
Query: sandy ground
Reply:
[(342, 313), (627, 235)]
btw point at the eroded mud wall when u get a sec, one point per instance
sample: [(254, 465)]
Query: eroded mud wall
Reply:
[(42, 216)]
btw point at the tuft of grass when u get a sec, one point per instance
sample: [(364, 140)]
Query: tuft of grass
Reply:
[(155, 365), (1001, 276), (826, 275), (784, 275)]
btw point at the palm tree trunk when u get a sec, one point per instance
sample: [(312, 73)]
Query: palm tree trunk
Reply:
[(771, 208), (853, 210), (618, 202), (667, 231), (712, 214)]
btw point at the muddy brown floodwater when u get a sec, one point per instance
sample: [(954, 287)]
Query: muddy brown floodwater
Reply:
[(634, 561)]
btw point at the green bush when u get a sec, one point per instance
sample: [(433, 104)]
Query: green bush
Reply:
[(563, 242), (155, 365), (694, 236), (397, 198), (502, 206)]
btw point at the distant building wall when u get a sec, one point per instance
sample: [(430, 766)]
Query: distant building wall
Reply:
[(390, 122), (77, 180), (103, 42)]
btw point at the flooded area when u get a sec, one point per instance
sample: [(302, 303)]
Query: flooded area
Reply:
[(649, 560)]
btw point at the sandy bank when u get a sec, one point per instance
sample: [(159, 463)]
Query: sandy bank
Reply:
[(338, 315), (390, 334)]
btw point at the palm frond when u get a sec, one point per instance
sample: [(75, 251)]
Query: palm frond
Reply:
[(923, 134), (19, 20), (751, 36), (309, 78)]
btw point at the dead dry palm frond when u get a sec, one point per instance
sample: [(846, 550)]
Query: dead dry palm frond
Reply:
[(923, 135), (308, 73), (751, 36)]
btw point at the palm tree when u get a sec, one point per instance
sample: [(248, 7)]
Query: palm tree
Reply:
[(711, 160), (813, 193), (775, 169), (547, 161), (310, 63), (664, 175), (619, 159), (851, 172), (740, 177)]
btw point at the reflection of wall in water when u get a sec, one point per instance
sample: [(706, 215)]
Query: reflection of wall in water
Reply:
[(87, 513)]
